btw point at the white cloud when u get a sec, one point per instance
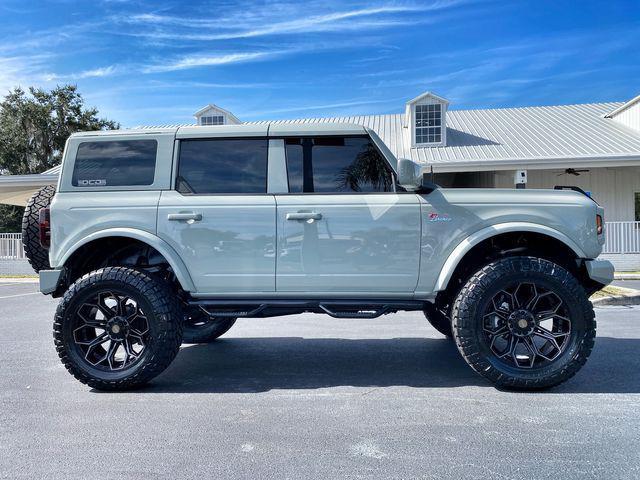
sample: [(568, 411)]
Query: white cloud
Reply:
[(99, 72), (91, 73), (262, 23), (194, 61), (22, 71), (328, 106)]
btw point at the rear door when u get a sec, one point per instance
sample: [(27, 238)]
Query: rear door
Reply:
[(220, 218), (343, 228)]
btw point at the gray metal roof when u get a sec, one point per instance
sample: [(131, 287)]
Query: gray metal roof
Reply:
[(494, 138)]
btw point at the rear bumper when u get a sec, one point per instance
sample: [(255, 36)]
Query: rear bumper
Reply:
[(600, 271), (49, 280)]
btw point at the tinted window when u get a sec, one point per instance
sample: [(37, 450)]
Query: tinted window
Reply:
[(114, 164), (223, 166), (336, 164)]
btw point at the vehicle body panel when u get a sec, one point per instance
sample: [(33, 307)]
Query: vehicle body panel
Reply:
[(455, 220), (172, 257), (232, 248), (78, 215), (361, 243)]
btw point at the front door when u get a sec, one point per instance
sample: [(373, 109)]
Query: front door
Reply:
[(342, 229), (220, 219)]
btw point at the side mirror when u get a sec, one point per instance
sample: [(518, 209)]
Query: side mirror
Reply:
[(409, 174), (426, 185), (411, 178)]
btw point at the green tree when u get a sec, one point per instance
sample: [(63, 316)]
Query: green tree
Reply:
[(34, 127)]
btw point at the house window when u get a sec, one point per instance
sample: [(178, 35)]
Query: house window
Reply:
[(212, 120), (429, 123), (637, 206)]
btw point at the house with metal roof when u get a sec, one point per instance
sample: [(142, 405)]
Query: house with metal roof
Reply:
[(592, 146)]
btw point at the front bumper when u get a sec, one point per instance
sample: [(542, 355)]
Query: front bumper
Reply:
[(600, 271), (49, 280)]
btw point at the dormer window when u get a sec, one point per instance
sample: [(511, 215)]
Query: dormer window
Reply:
[(212, 120), (213, 115), (429, 123), (426, 119)]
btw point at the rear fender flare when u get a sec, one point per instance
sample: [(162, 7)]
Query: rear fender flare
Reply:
[(174, 260)]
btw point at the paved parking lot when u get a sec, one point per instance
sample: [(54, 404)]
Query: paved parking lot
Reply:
[(635, 284), (313, 397)]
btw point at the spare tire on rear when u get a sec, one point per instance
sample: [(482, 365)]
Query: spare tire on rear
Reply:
[(37, 255)]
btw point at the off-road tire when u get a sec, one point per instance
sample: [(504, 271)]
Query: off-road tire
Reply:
[(208, 331), (471, 301), (161, 309), (439, 321), (37, 255)]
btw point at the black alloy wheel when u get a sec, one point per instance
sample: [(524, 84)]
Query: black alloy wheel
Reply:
[(110, 330), (524, 323), (117, 328)]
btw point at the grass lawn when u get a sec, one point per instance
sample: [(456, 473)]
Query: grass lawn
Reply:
[(610, 290)]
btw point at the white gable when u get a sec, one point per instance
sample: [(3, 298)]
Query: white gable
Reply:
[(213, 115), (628, 114), (427, 125)]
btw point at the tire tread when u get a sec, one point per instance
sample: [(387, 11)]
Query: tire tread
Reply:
[(464, 313), (166, 311), (37, 256)]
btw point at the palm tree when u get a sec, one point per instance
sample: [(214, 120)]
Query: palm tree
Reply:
[(369, 169)]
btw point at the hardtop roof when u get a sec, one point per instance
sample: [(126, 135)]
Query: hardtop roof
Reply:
[(249, 130)]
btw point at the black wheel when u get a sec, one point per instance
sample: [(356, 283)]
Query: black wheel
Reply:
[(117, 328), (37, 255), (438, 319), (524, 323), (199, 327)]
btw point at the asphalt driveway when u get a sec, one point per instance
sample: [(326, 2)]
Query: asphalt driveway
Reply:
[(313, 397)]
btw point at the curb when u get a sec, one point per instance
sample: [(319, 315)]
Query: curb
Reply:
[(4, 280), (617, 300), (626, 276)]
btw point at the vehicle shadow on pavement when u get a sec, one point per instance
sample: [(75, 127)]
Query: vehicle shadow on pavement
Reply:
[(613, 367), (247, 365), (236, 365)]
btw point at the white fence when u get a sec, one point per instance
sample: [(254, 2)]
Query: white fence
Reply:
[(11, 247), (621, 237)]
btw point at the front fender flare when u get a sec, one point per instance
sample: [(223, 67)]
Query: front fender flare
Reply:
[(176, 263), (471, 241)]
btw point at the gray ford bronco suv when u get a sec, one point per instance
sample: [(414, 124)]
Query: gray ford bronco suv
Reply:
[(157, 237)]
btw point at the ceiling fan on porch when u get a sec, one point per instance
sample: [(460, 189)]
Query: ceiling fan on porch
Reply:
[(573, 171)]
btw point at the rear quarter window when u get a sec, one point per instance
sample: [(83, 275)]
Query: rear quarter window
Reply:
[(115, 163)]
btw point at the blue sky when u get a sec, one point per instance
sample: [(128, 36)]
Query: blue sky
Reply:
[(142, 62)]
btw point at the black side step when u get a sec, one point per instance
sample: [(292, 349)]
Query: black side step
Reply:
[(276, 307), (357, 312), (244, 312)]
